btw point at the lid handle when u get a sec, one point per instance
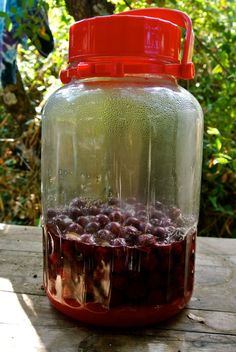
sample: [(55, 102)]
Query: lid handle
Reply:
[(177, 17)]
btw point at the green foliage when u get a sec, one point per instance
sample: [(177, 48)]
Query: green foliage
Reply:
[(214, 86)]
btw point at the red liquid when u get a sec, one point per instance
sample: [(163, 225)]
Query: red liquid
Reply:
[(118, 286)]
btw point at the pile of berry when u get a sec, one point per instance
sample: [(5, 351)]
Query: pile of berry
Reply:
[(118, 224), (119, 253)]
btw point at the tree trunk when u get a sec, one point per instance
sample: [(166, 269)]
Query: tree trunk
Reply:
[(16, 101), (80, 9)]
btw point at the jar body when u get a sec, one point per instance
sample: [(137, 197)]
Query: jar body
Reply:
[(121, 167)]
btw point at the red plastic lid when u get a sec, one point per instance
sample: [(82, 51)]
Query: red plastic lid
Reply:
[(133, 42)]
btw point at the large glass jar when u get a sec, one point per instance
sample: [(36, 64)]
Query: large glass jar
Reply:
[(121, 170)]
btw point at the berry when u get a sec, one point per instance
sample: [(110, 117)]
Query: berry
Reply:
[(77, 202), (94, 210), (145, 227), (103, 237), (63, 221), (102, 219), (132, 221), (92, 227), (87, 238), (130, 233), (116, 216), (82, 220), (119, 242), (146, 240), (73, 227), (160, 233), (51, 213), (74, 213), (114, 227), (107, 211), (156, 214)]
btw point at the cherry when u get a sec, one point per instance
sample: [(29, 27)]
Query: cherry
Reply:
[(94, 210), (132, 221), (102, 219), (73, 227), (114, 227), (82, 220), (92, 227), (51, 213), (74, 213), (63, 221), (104, 236), (77, 202), (130, 233), (146, 240), (87, 238), (116, 216), (117, 242)]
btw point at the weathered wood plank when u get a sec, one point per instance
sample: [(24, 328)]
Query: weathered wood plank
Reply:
[(20, 238), (17, 338), (21, 272), (25, 308), (31, 317)]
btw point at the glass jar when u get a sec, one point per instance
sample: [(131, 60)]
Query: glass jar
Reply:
[(121, 171)]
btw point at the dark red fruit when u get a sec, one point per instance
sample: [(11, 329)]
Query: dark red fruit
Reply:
[(63, 221), (74, 213), (114, 227), (104, 236), (132, 221), (145, 227), (73, 227), (82, 220), (130, 233), (102, 219), (156, 214), (92, 227), (77, 202), (116, 216), (160, 233), (94, 210), (51, 213), (87, 238), (146, 240), (119, 242)]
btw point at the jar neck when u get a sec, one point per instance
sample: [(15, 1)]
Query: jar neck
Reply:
[(160, 80)]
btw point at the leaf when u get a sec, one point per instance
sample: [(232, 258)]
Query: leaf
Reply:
[(8, 24), (224, 156), (13, 9), (213, 201), (220, 160), (217, 69), (218, 144), (213, 131)]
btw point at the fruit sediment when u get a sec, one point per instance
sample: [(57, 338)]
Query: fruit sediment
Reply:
[(118, 264)]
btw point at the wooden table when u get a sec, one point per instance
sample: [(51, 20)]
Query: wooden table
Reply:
[(29, 323)]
